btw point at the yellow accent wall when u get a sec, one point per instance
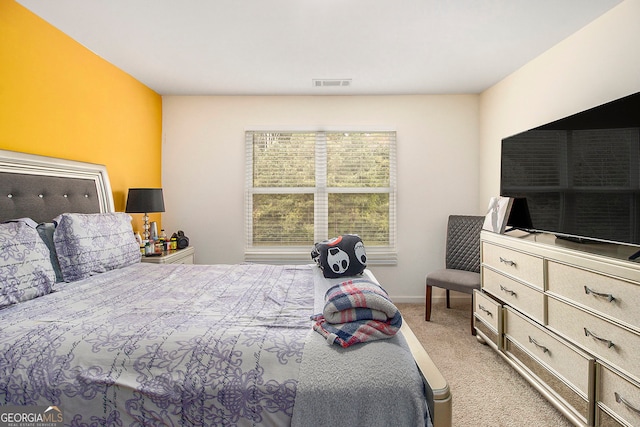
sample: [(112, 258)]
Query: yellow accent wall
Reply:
[(59, 99)]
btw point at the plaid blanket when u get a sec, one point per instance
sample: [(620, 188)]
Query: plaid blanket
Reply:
[(357, 311)]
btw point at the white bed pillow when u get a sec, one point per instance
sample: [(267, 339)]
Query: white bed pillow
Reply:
[(89, 244), (25, 268)]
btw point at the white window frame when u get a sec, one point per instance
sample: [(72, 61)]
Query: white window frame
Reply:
[(376, 255)]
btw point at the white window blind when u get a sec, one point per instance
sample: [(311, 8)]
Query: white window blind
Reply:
[(304, 187)]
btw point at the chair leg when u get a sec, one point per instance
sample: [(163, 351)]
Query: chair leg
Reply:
[(448, 305), (427, 314)]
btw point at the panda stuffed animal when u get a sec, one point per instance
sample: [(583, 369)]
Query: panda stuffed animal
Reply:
[(341, 256)]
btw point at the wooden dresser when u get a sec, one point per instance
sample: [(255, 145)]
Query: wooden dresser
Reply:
[(566, 316)]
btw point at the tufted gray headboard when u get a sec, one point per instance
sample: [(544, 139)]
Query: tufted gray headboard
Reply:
[(41, 188)]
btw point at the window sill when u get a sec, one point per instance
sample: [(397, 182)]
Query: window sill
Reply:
[(303, 256)]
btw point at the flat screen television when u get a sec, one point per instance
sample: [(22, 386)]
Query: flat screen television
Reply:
[(578, 177)]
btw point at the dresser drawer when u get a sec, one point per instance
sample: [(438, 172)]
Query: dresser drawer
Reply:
[(607, 341), (565, 369), (567, 361), (487, 318), (524, 267), (186, 260), (617, 399), (516, 294), (612, 297), (486, 309)]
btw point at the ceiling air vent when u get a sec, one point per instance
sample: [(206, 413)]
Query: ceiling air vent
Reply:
[(331, 82)]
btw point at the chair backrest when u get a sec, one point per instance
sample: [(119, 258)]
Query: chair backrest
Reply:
[(463, 242)]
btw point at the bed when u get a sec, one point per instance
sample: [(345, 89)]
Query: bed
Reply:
[(107, 340)]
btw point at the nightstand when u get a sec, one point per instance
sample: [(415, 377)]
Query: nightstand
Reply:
[(180, 256)]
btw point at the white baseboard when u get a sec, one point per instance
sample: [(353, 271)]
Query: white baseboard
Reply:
[(420, 299)]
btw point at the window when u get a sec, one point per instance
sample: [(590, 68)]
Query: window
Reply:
[(304, 187)]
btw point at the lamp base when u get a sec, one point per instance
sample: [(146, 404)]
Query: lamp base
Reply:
[(145, 234)]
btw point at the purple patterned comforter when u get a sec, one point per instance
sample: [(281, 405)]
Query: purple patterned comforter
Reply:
[(162, 345)]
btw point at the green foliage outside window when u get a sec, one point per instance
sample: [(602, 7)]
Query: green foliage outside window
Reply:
[(282, 219), (342, 179)]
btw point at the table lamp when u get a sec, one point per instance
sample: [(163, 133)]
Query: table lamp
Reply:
[(145, 200)]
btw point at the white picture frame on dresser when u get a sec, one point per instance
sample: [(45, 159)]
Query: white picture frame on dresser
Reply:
[(497, 214), (568, 322)]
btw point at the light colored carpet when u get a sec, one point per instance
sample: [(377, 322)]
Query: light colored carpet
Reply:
[(486, 390)]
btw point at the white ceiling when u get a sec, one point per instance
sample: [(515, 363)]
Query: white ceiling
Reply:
[(231, 47)]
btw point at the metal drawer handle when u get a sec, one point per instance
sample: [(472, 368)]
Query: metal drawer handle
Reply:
[(509, 291), (609, 297), (508, 262), (481, 308), (543, 348), (589, 333), (622, 400)]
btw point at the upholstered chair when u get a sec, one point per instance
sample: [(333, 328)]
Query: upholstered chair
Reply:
[(462, 263)]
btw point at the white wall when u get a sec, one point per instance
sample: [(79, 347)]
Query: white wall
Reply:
[(448, 145), (597, 64), (203, 168)]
